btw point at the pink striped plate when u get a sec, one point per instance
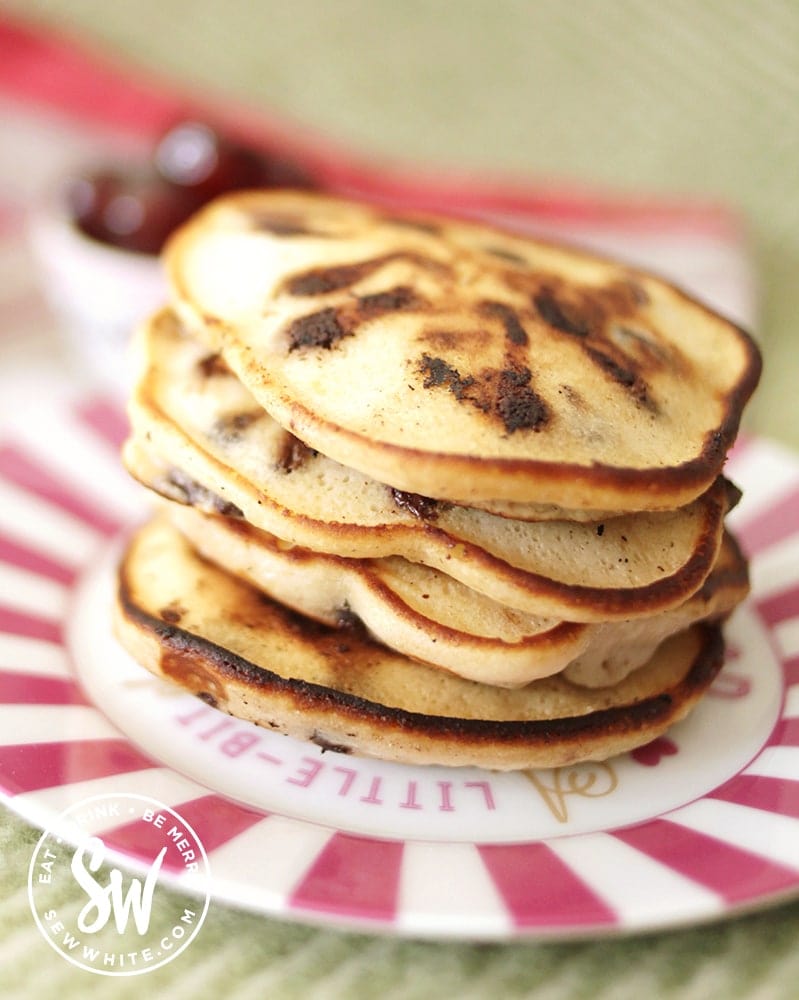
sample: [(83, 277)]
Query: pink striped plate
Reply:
[(698, 825)]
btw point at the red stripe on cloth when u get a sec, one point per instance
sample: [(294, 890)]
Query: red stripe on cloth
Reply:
[(213, 819), (106, 418), (31, 766), (775, 795), (17, 554), (52, 70), (69, 75), (732, 873), (17, 688), (539, 890), (786, 732), (772, 525), (790, 671), (22, 623), (353, 876), (27, 473)]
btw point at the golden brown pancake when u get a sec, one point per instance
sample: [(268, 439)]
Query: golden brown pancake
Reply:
[(459, 362), (223, 640), (200, 438), (430, 617)]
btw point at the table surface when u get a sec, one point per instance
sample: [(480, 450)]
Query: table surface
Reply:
[(678, 99)]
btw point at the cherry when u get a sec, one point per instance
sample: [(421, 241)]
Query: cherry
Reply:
[(135, 212), (192, 164)]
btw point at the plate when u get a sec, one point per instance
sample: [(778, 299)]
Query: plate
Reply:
[(700, 824)]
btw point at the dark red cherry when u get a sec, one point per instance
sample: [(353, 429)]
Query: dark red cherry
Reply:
[(135, 212), (193, 156)]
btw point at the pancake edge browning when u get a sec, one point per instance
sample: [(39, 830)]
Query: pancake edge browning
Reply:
[(349, 723)]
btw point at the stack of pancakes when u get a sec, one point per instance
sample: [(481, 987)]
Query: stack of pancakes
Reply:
[(430, 491)]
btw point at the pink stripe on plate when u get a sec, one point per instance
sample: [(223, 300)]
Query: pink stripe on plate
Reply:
[(214, 819), (31, 626), (771, 525), (354, 877), (735, 874), (779, 607), (30, 689), (539, 890), (774, 795), (786, 731), (20, 555), (790, 671), (31, 766), (106, 418), (30, 475)]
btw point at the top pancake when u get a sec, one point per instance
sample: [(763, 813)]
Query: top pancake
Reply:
[(460, 362)]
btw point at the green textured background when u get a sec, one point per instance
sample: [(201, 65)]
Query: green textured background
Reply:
[(700, 98)]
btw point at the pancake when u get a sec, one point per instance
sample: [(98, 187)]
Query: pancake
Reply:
[(218, 637), (201, 439), (430, 617), (476, 365)]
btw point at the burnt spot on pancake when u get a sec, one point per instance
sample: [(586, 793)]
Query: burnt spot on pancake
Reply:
[(392, 300), (420, 506), (178, 486), (280, 223), (507, 393), (437, 373), (560, 314), (319, 329), (293, 454), (213, 365), (514, 330), (322, 280), (637, 342), (172, 613), (471, 341), (518, 406), (625, 377), (208, 698)]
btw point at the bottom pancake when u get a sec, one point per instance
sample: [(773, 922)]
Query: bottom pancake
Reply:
[(223, 640)]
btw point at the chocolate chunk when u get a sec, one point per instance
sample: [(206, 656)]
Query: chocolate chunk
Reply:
[(213, 364), (178, 486), (401, 297), (320, 329), (293, 454), (172, 613), (518, 406), (230, 427), (514, 330), (346, 619), (437, 372), (326, 745), (416, 504), (560, 315)]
